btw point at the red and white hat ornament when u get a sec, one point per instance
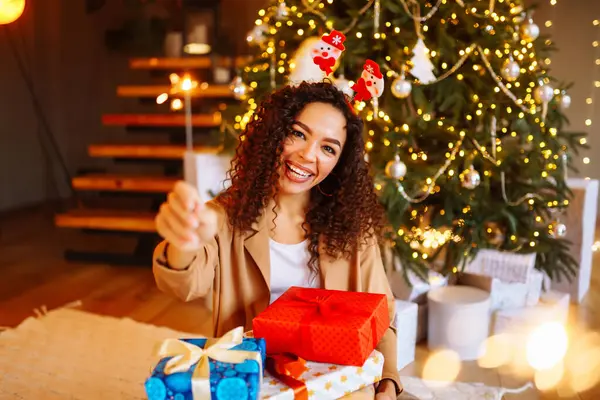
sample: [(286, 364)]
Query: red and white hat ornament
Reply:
[(336, 39)]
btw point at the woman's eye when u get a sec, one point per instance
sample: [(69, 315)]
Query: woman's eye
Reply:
[(298, 134), (329, 149)]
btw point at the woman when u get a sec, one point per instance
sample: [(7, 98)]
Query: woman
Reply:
[(300, 211)]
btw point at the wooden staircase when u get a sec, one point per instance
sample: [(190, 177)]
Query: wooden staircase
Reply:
[(99, 191)]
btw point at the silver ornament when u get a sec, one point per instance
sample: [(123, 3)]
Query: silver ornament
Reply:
[(343, 84), (511, 70), (470, 178), (282, 11), (565, 100), (395, 168), (543, 93), (401, 88), (530, 31), (558, 230), (238, 88)]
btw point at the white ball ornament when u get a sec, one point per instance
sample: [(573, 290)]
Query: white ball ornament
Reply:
[(565, 100), (558, 230), (395, 168), (543, 93), (470, 178), (530, 31), (511, 70), (238, 88), (282, 11), (401, 88)]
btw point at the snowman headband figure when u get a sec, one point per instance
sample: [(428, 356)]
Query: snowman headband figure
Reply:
[(325, 55)]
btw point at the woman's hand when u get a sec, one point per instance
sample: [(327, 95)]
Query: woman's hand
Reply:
[(184, 221), (386, 390)]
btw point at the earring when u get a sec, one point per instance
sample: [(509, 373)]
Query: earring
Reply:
[(322, 192), (328, 194)]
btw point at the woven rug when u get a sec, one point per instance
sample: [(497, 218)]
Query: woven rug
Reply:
[(71, 354)]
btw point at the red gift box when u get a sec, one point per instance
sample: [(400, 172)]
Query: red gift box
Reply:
[(328, 326)]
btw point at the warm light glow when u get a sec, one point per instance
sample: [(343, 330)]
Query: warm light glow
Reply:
[(176, 104), (497, 351), (547, 346), (162, 98), (442, 366), (186, 84), (11, 10)]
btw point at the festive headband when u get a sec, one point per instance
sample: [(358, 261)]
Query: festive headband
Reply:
[(327, 51)]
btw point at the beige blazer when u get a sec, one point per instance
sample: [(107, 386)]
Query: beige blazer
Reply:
[(237, 269)]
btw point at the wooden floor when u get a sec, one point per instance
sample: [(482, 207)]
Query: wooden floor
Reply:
[(33, 273)]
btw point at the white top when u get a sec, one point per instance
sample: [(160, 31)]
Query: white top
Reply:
[(289, 267)]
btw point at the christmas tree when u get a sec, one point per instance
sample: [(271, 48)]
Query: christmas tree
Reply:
[(467, 143)]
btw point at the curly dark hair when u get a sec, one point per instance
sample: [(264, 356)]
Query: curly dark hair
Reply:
[(345, 211)]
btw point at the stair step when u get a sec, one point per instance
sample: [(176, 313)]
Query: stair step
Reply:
[(212, 91), (164, 120), (108, 220), (153, 151), (125, 183), (201, 62)]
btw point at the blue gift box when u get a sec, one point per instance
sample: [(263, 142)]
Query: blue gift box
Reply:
[(228, 381)]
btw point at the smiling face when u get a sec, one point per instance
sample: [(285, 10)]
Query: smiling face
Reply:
[(326, 50), (374, 84), (312, 148)]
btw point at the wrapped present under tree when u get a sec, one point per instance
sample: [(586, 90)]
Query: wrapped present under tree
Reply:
[(230, 367), (324, 325), (292, 378)]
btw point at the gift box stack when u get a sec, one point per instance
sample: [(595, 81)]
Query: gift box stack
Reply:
[(310, 343), (518, 302)]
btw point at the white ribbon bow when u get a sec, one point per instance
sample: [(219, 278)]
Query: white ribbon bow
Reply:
[(185, 355)]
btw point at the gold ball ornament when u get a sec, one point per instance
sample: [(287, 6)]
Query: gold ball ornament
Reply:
[(530, 31), (401, 88), (511, 70), (470, 178), (395, 168), (543, 93), (238, 88), (494, 234)]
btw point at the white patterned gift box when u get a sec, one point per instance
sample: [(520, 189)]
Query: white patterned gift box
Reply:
[(506, 266), (510, 278), (415, 289), (327, 381), (507, 295), (405, 322), (552, 307)]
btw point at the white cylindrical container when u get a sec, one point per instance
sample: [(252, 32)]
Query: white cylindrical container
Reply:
[(459, 320)]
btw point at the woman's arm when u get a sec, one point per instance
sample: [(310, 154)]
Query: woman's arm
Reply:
[(191, 282), (374, 280), (189, 275)]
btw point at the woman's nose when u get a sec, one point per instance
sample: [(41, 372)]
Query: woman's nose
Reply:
[(309, 152)]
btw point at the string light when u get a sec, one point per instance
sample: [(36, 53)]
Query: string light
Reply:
[(524, 106)]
